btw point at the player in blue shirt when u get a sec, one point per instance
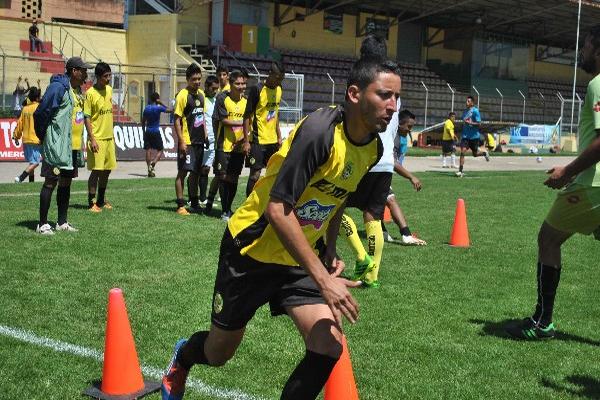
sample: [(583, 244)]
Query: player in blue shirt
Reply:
[(470, 134), (151, 126)]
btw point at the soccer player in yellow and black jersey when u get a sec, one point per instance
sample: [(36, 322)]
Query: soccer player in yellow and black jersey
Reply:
[(263, 139), (191, 134), (101, 152), (273, 247), (229, 158), (576, 208), (223, 76), (448, 140)]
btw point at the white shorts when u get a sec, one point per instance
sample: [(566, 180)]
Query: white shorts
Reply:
[(209, 155)]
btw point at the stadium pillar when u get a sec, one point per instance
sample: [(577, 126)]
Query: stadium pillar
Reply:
[(575, 69)]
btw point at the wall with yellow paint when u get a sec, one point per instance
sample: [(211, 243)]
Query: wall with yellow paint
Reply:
[(194, 23), (554, 72)]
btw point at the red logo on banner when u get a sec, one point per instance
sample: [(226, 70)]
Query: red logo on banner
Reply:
[(8, 150)]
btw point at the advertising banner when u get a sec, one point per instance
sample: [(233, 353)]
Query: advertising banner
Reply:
[(534, 134), (129, 141)]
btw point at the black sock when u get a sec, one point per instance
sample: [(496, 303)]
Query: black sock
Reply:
[(189, 192), (45, 199), (153, 164), (224, 193), (91, 197), (32, 177), (233, 186), (100, 198), (309, 377), (548, 278), (23, 176), (202, 186), (405, 231), (383, 228), (213, 189), (194, 202), (63, 194), (193, 351), (180, 203), (250, 185)]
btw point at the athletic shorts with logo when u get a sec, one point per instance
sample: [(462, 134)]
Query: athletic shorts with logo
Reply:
[(153, 140), (52, 172), (260, 154), (229, 163), (576, 210), (208, 159), (192, 159), (243, 285), (447, 146), (372, 193), (472, 144), (103, 160), (32, 153)]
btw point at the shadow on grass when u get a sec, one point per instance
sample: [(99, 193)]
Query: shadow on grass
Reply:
[(588, 387), (140, 175), (79, 206), (170, 209), (498, 329), (29, 224)]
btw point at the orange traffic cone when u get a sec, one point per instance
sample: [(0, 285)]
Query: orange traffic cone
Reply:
[(460, 232), (341, 384), (121, 374), (387, 215)]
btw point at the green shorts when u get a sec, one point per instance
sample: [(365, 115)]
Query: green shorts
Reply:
[(576, 210)]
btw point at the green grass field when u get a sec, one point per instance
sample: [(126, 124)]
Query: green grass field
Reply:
[(432, 331)]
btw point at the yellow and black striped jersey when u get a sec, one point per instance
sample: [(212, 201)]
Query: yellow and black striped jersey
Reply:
[(314, 171), (263, 108), (227, 108)]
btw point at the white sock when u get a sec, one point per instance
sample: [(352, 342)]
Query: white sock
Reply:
[(453, 159), (444, 161)]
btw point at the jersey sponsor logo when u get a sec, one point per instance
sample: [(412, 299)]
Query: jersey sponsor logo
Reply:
[(199, 120), (218, 303), (596, 107), (271, 115), (348, 169), (79, 117), (105, 112), (324, 186), (313, 213), (197, 102), (235, 115)]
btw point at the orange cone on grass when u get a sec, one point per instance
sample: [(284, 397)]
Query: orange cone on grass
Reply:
[(460, 232), (387, 215), (341, 384), (121, 375)]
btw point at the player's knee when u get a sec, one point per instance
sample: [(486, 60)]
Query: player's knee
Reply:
[(547, 239), (325, 339)]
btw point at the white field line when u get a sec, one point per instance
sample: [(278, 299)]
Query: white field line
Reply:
[(148, 371)]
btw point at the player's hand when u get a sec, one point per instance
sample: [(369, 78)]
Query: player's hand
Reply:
[(279, 142), (246, 147), (334, 264), (558, 178), (94, 145), (182, 148), (416, 183), (16, 141), (340, 301)]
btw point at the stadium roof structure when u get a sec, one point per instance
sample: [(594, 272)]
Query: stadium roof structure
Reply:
[(548, 22)]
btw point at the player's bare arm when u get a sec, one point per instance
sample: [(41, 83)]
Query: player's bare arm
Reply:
[(179, 131), (562, 176), (90, 134), (333, 289), (403, 172)]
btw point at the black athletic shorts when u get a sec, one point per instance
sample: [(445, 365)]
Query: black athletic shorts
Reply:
[(49, 171), (472, 144), (228, 163), (192, 160), (153, 140), (260, 154), (243, 285), (447, 146), (371, 193)]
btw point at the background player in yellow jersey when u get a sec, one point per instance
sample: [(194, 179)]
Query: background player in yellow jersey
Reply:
[(229, 157), (223, 76), (25, 129), (576, 209), (101, 151), (269, 251), (59, 124), (191, 134), (448, 141), (262, 136)]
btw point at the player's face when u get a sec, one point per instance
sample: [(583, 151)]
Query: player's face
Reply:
[(275, 79), (211, 89), (588, 56), (378, 101), (452, 118), (239, 85), (405, 126), (104, 79), (79, 75), (194, 81), (469, 102), (223, 78)]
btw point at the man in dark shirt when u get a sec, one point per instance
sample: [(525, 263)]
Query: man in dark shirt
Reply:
[(35, 43)]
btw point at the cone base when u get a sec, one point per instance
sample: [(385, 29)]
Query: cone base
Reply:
[(95, 392), (464, 246)]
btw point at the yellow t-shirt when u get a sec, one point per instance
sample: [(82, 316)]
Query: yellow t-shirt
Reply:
[(77, 118), (263, 108), (448, 130), (181, 102), (226, 108), (25, 126), (99, 109), (491, 142), (314, 171), (226, 88)]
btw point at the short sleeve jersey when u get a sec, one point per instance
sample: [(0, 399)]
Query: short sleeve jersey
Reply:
[(77, 118), (471, 132), (589, 122), (314, 171), (386, 163), (190, 108), (448, 130), (227, 108), (209, 106), (152, 114), (98, 108), (263, 108)]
